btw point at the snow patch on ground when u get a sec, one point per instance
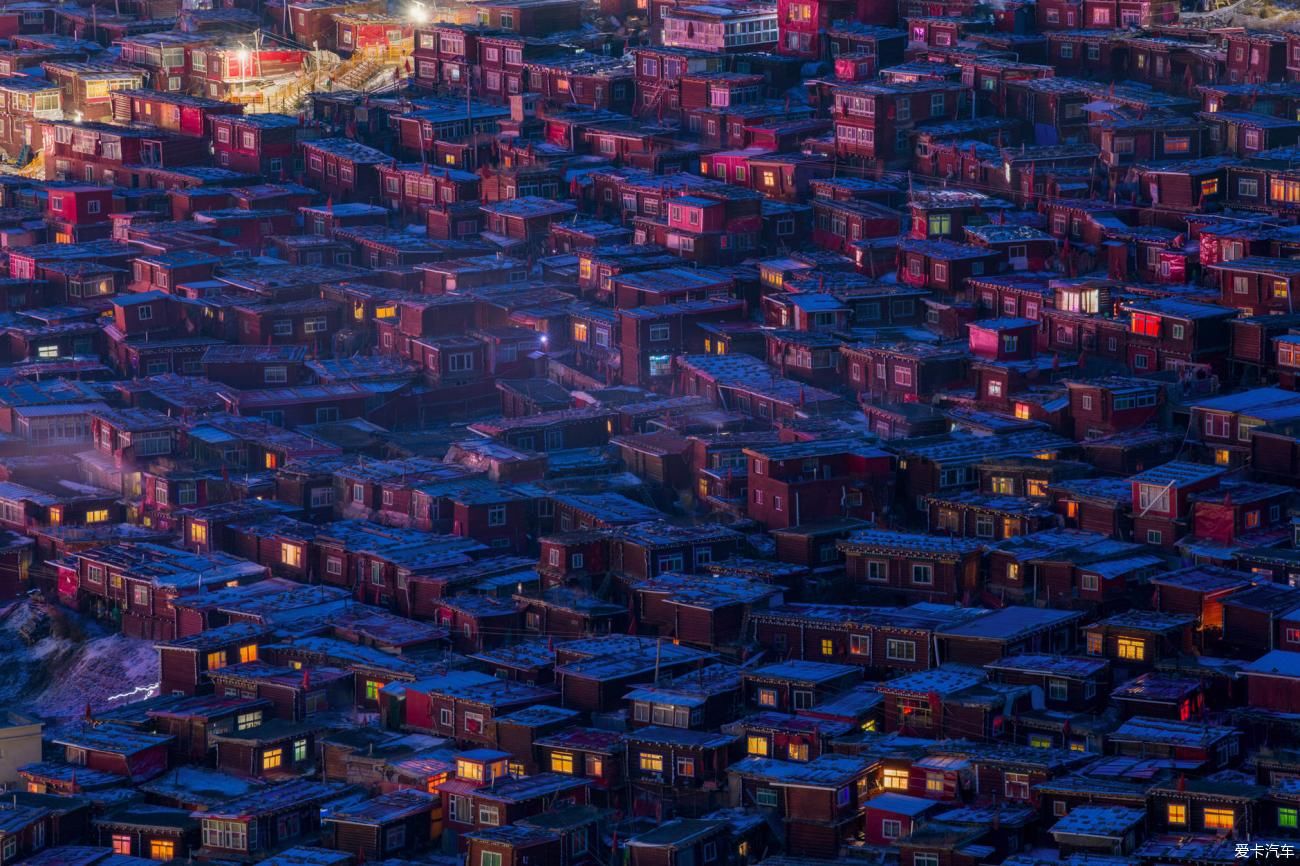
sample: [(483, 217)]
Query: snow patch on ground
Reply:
[(54, 661)]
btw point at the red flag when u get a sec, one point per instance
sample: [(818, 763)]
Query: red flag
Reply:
[(329, 204), (306, 679)]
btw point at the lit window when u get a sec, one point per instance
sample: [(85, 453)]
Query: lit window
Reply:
[(216, 660), (894, 779), (651, 762), (756, 745), (272, 758), (1131, 649), (1094, 643), (1219, 819), (562, 762), (99, 515), (828, 647), (291, 555), (372, 690), (122, 845), (248, 653), (767, 697), (199, 533), (1288, 817)]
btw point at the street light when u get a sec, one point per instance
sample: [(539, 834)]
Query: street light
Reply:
[(418, 14), (242, 56)]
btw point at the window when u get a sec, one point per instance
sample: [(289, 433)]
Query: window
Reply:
[(939, 224), (934, 783), (248, 653), (1219, 819), (1154, 497), (1130, 649), (659, 333), (900, 650), (300, 747), (797, 751), (1288, 817), (489, 816), (272, 758), (1058, 690), (894, 779), (756, 744), (1155, 536), (828, 647), (291, 555), (922, 574), (767, 697), (1016, 786), (925, 860), (121, 845), (474, 723), (99, 515), (686, 767), (1089, 582), (497, 515), (891, 828), (489, 858), (877, 570), (651, 762), (245, 721), (765, 797), (562, 762), (232, 835)]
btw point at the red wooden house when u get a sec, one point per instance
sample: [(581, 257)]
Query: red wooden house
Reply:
[(1162, 506)]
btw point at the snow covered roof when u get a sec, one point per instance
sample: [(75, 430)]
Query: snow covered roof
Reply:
[(1275, 663), (825, 771), (1011, 623), (1110, 822)]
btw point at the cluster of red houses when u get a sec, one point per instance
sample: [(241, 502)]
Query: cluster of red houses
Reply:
[(675, 433)]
